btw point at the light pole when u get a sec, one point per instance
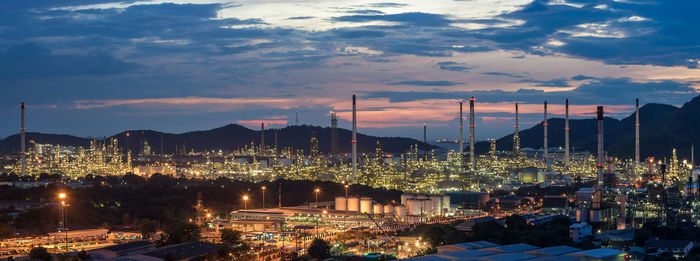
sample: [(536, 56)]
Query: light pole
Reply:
[(317, 190), (245, 202), (324, 212), (263, 199), (64, 216), (346, 190)]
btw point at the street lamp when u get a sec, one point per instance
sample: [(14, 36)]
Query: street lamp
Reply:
[(317, 190), (346, 190), (245, 202), (64, 216), (263, 199)]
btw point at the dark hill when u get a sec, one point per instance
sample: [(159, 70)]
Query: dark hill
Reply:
[(619, 134), (225, 138)]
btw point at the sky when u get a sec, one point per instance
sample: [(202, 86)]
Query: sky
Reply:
[(96, 68)]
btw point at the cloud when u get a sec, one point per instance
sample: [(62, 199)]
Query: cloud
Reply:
[(427, 83), (613, 91), (512, 75), (29, 60), (454, 66), (581, 77), (413, 18), (559, 82), (360, 33)]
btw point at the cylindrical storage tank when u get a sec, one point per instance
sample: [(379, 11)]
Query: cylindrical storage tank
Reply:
[(366, 205), (378, 209), (401, 212), (389, 209), (414, 206), (354, 204), (405, 197), (436, 205), (341, 203), (446, 202)]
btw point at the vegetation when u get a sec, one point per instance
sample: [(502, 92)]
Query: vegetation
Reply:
[(320, 249), (39, 253), (134, 202), (440, 234), (517, 230)]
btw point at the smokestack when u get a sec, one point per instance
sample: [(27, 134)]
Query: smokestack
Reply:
[(471, 133), (461, 139), (277, 153), (544, 125), (599, 163), (161, 144), (262, 138), (692, 156), (636, 132), (516, 138), (566, 134), (23, 149), (425, 141), (354, 138)]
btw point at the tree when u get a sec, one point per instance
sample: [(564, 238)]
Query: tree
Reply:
[(39, 253), (148, 228), (180, 232), (231, 237), (320, 249)]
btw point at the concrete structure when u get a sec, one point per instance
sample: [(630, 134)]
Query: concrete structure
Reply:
[(472, 163), (23, 149), (378, 209), (599, 162), (636, 132), (354, 138), (516, 138), (544, 126), (461, 139), (468, 199), (566, 133)]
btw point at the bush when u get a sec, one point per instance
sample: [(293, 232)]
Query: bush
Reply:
[(320, 249)]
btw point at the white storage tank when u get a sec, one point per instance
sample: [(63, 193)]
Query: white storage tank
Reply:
[(354, 204), (366, 205), (378, 209), (389, 209), (401, 212), (405, 197), (341, 203), (414, 206), (445, 202), (435, 205)]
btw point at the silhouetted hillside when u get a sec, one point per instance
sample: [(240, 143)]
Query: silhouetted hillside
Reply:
[(618, 134), (226, 138)]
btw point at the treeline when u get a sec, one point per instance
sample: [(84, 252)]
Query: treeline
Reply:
[(129, 201)]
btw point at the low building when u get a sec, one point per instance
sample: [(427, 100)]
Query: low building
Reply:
[(180, 252), (112, 252), (579, 231), (679, 248), (468, 199)]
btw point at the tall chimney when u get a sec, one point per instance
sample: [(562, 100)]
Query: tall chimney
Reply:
[(461, 138), (262, 138), (544, 125), (636, 132), (354, 138), (566, 134), (425, 141), (23, 149), (277, 153), (471, 133), (599, 162), (516, 138), (692, 156)]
